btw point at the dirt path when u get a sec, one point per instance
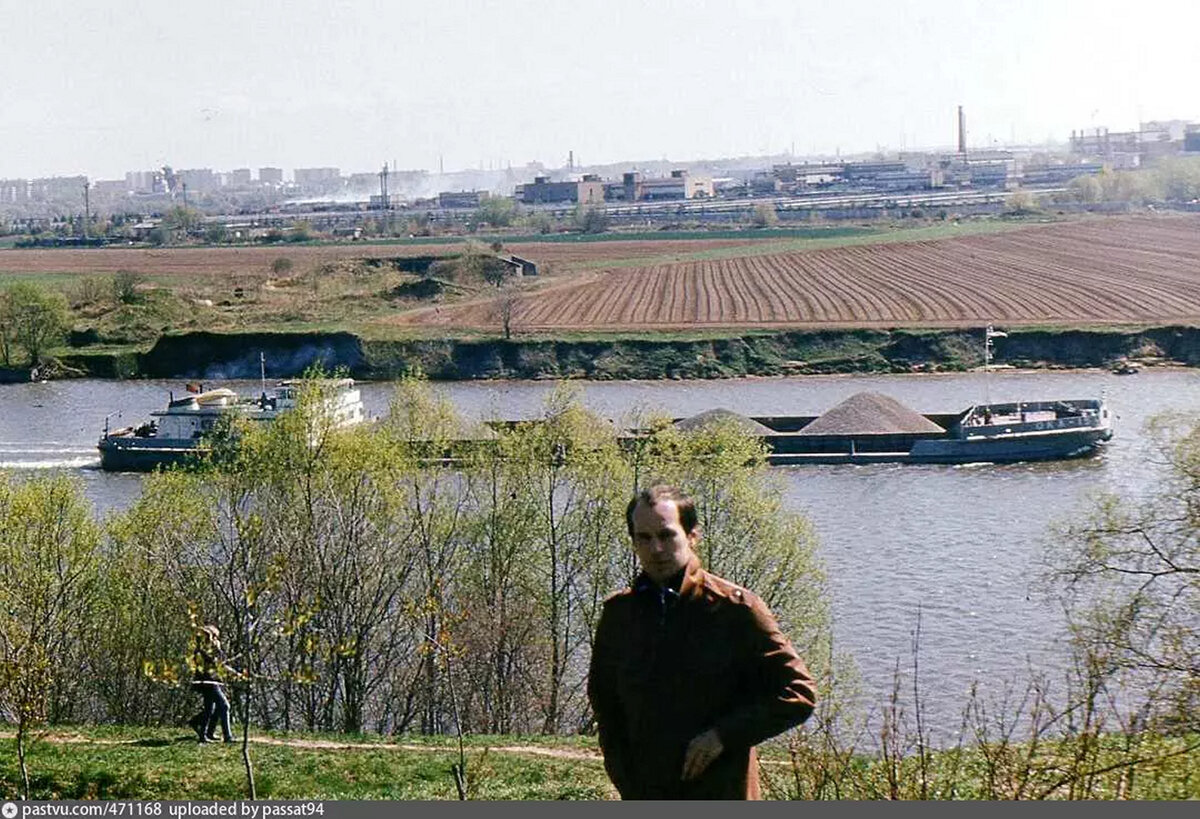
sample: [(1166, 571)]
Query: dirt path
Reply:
[(322, 744), (331, 745)]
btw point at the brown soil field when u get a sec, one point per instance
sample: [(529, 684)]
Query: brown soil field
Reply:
[(1126, 269), (252, 261)]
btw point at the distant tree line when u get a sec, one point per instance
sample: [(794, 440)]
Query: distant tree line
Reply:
[(1167, 180)]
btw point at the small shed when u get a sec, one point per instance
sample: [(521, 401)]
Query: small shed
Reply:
[(528, 268)]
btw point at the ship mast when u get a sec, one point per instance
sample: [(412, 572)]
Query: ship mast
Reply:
[(988, 335)]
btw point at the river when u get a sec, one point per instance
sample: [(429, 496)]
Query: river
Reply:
[(958, 544)]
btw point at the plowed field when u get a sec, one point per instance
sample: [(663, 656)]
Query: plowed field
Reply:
[(1126, 269), (222, 261)]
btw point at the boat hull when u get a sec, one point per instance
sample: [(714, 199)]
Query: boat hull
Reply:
[(131, 454), (995, 449)]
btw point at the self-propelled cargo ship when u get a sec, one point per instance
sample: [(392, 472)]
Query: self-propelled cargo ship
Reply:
[(178, 434), (874, 428)]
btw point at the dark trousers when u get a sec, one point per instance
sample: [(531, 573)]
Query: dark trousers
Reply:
[(216, 707)]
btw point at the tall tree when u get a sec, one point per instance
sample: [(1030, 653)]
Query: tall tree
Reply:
[(48, 591), (416, 436), (150, 586), (1129, 577), (576, 484), (38, 318)]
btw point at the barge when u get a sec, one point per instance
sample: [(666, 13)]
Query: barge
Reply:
[(872, 428)]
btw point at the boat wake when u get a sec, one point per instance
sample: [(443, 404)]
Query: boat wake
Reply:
[(46, 455), (91, 462)]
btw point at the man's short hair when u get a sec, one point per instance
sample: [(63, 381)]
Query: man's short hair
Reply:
[(664, 492)]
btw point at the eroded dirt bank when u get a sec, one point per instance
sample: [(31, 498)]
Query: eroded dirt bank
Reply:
[(227, 356)]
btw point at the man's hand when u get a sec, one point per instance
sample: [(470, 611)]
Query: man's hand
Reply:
[(701, 751)]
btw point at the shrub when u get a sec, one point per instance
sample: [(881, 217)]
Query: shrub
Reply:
[(764, 216), (124, 286)]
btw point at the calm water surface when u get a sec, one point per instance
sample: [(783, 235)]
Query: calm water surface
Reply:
[(959, 544)]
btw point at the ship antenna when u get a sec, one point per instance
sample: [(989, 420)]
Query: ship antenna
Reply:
[(262, 366)]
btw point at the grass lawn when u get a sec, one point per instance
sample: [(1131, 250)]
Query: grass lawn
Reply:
[(167, 763), (157, 763), (54, 281)]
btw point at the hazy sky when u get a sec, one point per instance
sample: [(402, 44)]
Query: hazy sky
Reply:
[(99, 88)]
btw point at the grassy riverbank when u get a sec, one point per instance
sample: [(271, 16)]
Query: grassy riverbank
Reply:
[(164, 763)]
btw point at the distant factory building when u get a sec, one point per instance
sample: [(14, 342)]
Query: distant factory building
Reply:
[(656, 190), (1171, 130), (991, 174), (635, 187), (270, 176), (1152, 139), (588, 190), (699, 187), (614, 192), (317, 180), (730, 186), (765, 184), (461, 199), (679, 185), (1058, 174), (376, 201), (855, 171), (906, 180), (796, 176)]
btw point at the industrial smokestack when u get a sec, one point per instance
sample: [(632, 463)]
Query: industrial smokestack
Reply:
[(962, 131)]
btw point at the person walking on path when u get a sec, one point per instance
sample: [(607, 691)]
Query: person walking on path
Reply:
[(206, 680), (689, 671)]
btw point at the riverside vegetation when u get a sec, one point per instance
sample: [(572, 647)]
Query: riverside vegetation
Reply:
[(374, 596)]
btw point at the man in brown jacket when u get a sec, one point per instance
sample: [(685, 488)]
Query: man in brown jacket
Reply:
[(689, 672)]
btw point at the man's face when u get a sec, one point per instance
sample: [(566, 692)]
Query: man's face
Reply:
[(662, 547)]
